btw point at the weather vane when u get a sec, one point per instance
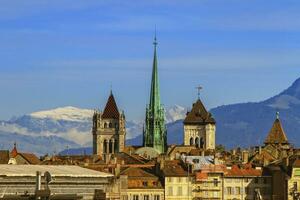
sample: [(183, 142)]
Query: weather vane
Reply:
[(199, 88)]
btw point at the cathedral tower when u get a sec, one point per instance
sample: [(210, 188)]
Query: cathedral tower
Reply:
[(199, 127), (109, 129), (155, 132)]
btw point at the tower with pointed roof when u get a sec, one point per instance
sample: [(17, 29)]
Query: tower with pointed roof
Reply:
[(109, 129), (199, 127), (277, 135), (155, 132)]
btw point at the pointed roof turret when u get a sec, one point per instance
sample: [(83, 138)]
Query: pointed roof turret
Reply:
[(199, 115), (276, 134), (14, 151), (111, 109), (154, 93)]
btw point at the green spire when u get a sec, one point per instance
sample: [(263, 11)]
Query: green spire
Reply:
[(155, 93), (155, 134)]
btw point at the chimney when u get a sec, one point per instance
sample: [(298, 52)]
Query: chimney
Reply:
[(245, 156)]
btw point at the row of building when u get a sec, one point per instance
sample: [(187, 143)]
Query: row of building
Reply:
[(195, 170)]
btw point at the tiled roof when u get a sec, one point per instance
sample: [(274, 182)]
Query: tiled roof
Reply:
[(199, 115), (276, 134), (238, 172), (133, 172), (31, 158), (111, 109), (4, 156), (173, 168)]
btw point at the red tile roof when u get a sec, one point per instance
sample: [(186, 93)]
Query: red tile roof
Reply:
[(239, 172), (111, 109)]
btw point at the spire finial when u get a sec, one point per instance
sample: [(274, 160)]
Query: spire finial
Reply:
[(155, 40), (277, 115), (110, 89), (199, 88)]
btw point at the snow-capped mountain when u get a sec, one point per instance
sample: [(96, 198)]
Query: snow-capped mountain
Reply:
[(68, 113), (52, 130), (175, 113)]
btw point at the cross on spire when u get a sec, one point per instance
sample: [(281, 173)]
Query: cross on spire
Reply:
[(199, 88)]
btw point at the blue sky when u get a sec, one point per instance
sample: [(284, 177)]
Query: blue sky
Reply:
[(64, 52)]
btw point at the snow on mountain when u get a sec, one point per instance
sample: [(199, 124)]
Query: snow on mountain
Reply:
[(68, 113), (175, 113), (69, 126)]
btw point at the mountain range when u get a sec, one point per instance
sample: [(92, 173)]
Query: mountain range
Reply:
[(243, 124)]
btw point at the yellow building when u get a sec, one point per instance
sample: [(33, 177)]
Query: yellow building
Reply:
[(208, 183), (178, 183), (293, 183), (140, 184), (246, 184)]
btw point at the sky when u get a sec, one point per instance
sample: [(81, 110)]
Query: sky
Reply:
[(56, 53)]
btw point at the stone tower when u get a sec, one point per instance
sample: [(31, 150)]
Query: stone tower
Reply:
[(155, 132), (199, 127), (108, 129)]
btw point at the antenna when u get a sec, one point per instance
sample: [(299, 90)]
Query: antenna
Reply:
[(199, 88)]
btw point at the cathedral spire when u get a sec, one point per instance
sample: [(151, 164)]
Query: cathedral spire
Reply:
[(155, 133), (154, 93)]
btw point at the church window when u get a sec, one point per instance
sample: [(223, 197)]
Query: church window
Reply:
[(191, 141), (197, 142)]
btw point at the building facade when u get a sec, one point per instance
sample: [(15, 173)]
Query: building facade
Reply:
[(109, 132), (199, 127), (155, 132)]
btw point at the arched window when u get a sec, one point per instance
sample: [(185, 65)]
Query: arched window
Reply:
[(197, 142), (110, 125), (110, 147), (201, 143), (191, 141), (105, 125), (104, 146)]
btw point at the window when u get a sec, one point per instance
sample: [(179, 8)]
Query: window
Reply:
[(170, 191), (146, 197), (295, 186), (179, 191), (135, 197), (145, 183), (229, 191), (124, 197), (237, 190), (110, 125), (215, 194), (256, 180), (205, 193), (169, 179), (215, 182), (156, 197)]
